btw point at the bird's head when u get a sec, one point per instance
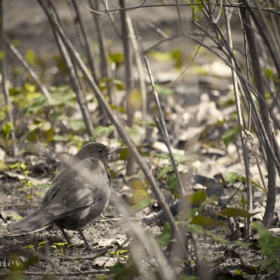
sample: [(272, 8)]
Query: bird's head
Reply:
[(96, 150)]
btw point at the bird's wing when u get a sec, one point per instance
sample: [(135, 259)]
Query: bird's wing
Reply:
[(76, 199), (72, 193)]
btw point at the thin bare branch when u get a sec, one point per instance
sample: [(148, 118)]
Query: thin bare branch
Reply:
[(129, 80), (90, 58), (139, 65), (4, 82), (271, 193), (32, 73), (164, 131)]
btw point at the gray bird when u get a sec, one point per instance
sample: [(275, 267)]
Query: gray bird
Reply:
[(79, 194)]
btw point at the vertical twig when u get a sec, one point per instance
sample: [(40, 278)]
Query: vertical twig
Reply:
[(90, 58), (271, 193), (130, 167), (105, 64), (264, 32), (165, 132), (4, 81), (111, 18), (80, 94), (241, 128), (139, 65), (32, 73)]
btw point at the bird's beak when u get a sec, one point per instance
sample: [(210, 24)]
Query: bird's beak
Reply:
[(116, 149)]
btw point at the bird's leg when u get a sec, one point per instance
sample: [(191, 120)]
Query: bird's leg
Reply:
[(84, 238), (65, 235)]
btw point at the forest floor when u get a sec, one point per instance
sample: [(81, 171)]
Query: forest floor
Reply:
[(198, 111)]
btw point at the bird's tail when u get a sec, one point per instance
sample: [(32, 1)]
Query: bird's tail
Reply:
[(33, 222)]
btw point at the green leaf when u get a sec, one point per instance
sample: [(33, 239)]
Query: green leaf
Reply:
[(119, 84), (257, 184), (143, 204), (172, 183), (162, 56), (270, 262), (267, 95), (44, 186), (31, 246), (235, 212), (61, 138), (205, 222), (7, 128), (31, 260), (77, 125), (268, 72), (242, 244), (3, 166), (135, 132), (196, 9), (188, 277), (231, 177), (164, 238), (134, 100), (23, 166), (177, 56), (59, 99), (196, 229), (164, 90), (209, 200), (30, 57), (164, 171), (29, 88), (105, 83), (152, 124), (243, 202), (120, 271), (229, 135), (118, 58), (103, 130), (201, 231), (2, 55), (117, 269), (229, 102), (197, 197), (217, 238), (124, 154), (269, 243), (60, 244), (163, 156), (43, 242)]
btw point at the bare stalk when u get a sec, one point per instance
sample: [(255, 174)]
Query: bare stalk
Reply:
[(265, 32), (241, 130), (4, 82), (256, 68), (32, 73), (164, 131), (104, 56), (90, 58), (139, 65), (80, 94), (130, 167)]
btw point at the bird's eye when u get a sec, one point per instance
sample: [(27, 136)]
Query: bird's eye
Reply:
[(100, 151)]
